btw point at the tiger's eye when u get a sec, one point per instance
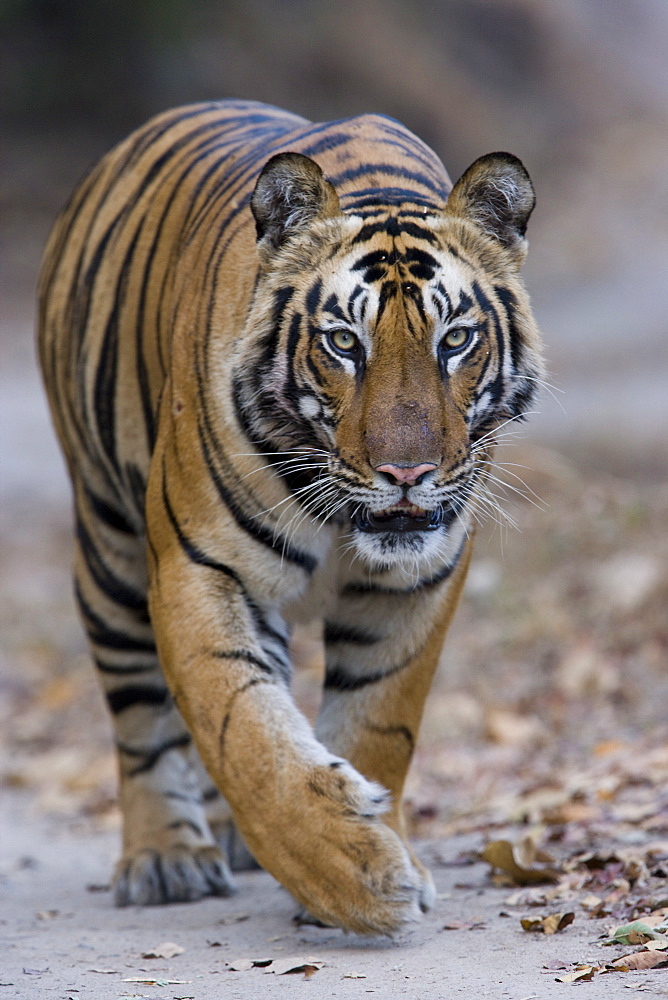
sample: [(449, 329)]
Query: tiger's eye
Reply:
[(344, 340), (456, 338)]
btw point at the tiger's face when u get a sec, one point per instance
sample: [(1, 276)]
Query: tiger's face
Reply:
[(388, 349)]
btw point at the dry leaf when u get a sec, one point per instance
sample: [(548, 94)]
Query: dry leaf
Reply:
[(585, 670), (290, 966), (511, 729), (464, 925), (234, 918), (244, 964), (148, 981), (637, 932), (583, 973), (168, 949), (639, 960), (240, 964), (570, 812), (279, 966), (518, 861), (548, 925), (657, 945)]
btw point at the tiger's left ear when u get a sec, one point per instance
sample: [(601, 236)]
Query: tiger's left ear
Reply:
[(497, 195), (291, 192)]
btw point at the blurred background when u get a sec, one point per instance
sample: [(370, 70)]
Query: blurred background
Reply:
[(561, 642)]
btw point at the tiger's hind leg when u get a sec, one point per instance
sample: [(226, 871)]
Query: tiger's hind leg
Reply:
[(169, 851)]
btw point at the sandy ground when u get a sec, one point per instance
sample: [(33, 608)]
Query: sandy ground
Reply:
[(61, 938)]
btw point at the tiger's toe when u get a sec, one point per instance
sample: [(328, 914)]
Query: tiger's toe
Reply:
[(179, 875)]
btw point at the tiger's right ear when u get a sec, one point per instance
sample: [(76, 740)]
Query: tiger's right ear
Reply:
[(497, 195), (291, 192)]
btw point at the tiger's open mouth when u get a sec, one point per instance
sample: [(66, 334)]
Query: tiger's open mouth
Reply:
[(403, 516)]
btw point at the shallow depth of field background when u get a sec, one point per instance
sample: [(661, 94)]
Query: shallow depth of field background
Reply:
[(559, 655)]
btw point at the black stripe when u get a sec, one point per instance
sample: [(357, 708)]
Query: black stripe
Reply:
[(112, 586), (388, 292), (242, 654), (118, 670), (200, 558), (327, 142), (151, 757), (291, 389), (334, 632), (105, 389), (337, 679), (106, 375), (496, 386), (137, 484), (81, 288), (109, 516), (69, 216), (100, 633), (509, 303), (395, 226), (269, 345), (136, 694), (228, 715), (250, 525), (420, 263), (195, 554), (382, 197), (178, 824), (375, 265), (389, 169), (333, 307), (313, 297)]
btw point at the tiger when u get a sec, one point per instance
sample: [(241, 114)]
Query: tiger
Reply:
[(278, 356)]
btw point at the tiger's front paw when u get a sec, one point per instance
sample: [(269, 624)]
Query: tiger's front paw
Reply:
[(178, 875), (426, 898), (337, 857)]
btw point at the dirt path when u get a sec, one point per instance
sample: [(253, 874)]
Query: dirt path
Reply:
[(60, 939)]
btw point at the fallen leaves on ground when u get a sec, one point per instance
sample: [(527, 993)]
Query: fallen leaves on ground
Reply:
[(650, 928), (521, 863), (150, 981), (643, 959), (168, 949), (233, 918), (279, 966), (550, 924), (464, 925), (581, 973)]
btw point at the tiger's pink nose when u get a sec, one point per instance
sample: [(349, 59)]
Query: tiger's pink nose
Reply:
[(406, 474)]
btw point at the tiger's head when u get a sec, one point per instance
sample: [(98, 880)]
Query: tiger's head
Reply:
[(387, 348)]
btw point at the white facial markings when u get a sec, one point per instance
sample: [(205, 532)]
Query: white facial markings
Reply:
[(359, 308), (310, 407), (442, 299)]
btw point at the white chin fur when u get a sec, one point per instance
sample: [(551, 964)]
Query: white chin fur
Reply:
[(410, 550), (413, 554)]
